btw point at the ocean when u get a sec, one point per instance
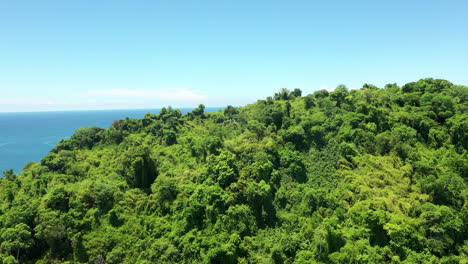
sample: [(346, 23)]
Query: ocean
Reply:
[(30, 136)]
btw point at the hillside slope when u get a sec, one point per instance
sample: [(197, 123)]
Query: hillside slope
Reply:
[(361, 176)]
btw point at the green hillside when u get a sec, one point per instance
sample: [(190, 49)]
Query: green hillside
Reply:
[(375, 175)]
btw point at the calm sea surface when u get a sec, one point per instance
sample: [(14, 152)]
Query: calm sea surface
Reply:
[(30, 136)]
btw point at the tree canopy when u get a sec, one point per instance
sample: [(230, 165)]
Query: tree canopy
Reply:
[(373, 175)]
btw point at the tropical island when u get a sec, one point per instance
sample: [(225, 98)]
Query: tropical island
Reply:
[(374, 175)]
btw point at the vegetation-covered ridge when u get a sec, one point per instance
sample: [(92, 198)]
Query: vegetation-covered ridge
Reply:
[(349, 176)]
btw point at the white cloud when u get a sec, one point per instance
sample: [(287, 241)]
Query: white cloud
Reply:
[(30, 102), (22, 105), (177, 94)]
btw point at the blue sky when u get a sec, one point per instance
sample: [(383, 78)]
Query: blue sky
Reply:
[(65, 55)]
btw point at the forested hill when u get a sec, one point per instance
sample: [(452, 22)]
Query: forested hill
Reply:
[(375, 175)]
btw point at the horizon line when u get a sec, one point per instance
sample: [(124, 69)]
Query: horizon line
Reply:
[(110, 109)]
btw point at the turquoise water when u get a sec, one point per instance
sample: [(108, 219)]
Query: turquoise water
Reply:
[(30, 136)]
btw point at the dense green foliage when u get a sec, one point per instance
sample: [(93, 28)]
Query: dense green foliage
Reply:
[(362, 176)]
